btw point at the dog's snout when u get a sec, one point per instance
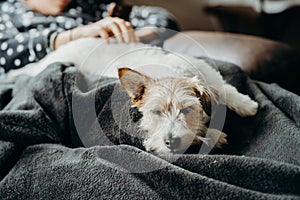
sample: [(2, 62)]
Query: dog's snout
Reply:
[(172, 143)]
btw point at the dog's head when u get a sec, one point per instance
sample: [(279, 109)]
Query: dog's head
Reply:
[(175, 110)]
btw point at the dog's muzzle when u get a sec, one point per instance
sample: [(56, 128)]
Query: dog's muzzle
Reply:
[(172, 143)]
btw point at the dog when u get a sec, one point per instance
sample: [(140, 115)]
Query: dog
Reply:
[(176, 110), (176, 104)]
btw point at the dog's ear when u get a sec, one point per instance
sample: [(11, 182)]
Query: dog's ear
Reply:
[(205, 100), (206, 95), (214, 94), (134, 83)]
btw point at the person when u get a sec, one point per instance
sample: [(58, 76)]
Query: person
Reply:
[(29, 29)]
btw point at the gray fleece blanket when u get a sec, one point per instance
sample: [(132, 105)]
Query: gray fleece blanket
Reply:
[(46, 154)]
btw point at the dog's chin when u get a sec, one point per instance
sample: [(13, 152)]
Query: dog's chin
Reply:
[(157, 146)]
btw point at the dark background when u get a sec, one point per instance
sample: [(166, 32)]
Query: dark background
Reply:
[(274, 19)]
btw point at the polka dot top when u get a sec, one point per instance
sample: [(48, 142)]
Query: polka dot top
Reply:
[(24, 35)]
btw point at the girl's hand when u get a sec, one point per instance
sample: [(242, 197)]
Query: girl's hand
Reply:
[(108, 27), (105, 28)]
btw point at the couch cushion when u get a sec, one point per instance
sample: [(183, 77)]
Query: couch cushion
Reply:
[(262, 59)]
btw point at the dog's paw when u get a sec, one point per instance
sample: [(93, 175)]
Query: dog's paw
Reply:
[(156, 147), (222, 140), (216, 138)]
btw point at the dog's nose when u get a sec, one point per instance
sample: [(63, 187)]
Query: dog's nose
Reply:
[(172, 143)]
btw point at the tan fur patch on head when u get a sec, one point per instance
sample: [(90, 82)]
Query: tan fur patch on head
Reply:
[(134, 83), (138, 96)]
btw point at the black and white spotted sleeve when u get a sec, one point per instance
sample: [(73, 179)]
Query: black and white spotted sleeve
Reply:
[(161, 21), (18, 47), (24, 35), (97, 9)]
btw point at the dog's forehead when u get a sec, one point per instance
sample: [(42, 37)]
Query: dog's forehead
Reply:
[(173, 92), (174, 84)]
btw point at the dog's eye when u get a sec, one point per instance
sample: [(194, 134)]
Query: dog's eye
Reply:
[(156, 112), (186, 111)]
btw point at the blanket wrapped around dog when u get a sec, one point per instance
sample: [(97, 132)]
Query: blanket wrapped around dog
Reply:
[(45, 153)]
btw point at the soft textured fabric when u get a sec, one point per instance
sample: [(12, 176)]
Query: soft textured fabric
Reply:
[(261, 160)]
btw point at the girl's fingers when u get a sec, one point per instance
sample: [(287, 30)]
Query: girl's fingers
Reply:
[(119, 28), (116, 30), (125, 31), (131, 33)]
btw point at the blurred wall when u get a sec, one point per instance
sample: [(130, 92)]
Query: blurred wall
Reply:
[(239, 16)]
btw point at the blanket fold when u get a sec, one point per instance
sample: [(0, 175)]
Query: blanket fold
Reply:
[(97, 151), (57, 172)]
